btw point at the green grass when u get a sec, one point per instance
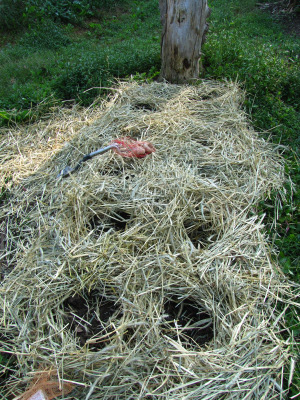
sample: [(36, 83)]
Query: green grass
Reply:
[(70, 56), (65, 61), (246, 44)]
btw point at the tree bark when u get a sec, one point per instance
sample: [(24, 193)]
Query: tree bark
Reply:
[(184, 29)]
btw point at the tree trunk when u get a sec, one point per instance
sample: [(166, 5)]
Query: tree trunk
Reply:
[(184, 29)]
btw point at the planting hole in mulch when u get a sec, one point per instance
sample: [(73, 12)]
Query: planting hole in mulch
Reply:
[(87, 315), (129, 176), (144, 106), (200, 234), (102, 223), (188, 321), (210, 96), (111, 172)]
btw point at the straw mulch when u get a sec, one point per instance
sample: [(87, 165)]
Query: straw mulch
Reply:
[(143, 278)]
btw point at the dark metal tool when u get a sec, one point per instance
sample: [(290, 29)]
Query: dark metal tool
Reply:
[(69, 170)]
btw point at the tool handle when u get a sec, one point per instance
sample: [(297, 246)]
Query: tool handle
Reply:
[(68, 170), (100, 151)]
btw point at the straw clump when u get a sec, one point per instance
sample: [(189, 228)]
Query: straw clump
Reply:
[(145, 278)]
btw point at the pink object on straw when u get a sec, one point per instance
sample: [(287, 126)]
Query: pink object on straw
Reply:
[(128, 147)]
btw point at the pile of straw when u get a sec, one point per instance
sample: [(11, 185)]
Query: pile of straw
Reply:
[(143, 278)]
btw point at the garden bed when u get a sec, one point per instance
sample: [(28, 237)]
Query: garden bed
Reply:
[(143, 278)]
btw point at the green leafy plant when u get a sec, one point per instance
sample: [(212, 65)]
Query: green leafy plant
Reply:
[(47, 35), (100, 69), (63, 11), (97, 29), (11, 15)]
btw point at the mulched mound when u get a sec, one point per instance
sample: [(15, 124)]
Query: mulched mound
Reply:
[(143, 278)]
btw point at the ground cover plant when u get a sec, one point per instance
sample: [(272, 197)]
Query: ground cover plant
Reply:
[(65, 60), (93, 42)]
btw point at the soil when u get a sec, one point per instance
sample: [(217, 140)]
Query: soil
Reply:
[(87, 315), (200, 236), (189, 321), (100, 224)]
